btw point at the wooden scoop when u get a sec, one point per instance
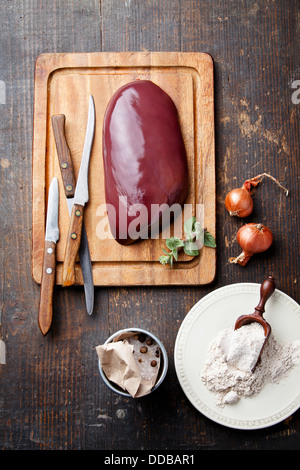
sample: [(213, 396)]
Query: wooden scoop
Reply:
[(266, 290)]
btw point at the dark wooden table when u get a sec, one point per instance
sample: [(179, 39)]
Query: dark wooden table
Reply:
[(51, 394)]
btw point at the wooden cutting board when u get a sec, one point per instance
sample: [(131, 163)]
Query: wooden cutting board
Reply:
[(63, 83)]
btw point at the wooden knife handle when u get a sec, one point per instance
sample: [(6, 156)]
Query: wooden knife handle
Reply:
[(64, 154), (47, 286), (73, 244)]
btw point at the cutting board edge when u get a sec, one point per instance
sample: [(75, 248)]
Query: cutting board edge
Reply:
[(46, 63)]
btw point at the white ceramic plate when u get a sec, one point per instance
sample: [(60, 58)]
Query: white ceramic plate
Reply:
[(216, 312)]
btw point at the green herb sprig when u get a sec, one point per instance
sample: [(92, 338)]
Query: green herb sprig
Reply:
[(192, 230)]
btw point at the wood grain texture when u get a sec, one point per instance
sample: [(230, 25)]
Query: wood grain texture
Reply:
[(45, 313), (51, 393), (72, 245), (63, 154), (62, 84)]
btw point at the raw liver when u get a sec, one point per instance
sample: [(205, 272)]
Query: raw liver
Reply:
[(144, 157)]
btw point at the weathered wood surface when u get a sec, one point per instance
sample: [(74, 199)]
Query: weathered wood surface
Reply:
[(51, 393)]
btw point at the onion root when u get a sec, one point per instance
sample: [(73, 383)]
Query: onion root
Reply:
[(242, 259), (258, 179)]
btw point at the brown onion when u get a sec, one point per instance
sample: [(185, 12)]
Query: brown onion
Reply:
[(252, 238), (239, 201)]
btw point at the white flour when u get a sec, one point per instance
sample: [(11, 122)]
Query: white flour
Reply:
[(242, 346), (232, 355)]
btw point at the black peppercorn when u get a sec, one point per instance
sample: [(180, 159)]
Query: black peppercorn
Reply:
[(142, 338)]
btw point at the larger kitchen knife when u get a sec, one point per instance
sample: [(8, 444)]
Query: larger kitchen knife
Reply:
[(48, 274), (67, 172), (81, 197)]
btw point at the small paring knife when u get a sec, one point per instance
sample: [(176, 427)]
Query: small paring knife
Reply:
[(48, 274), (81, 197), (67, 173)]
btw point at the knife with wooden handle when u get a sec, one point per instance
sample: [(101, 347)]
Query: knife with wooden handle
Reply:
[(67, 172), (73, 244), (47, 288), (64, 154), (81, 197), (48, 273)]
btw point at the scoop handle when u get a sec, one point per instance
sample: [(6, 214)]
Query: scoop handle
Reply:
[(266, 290)]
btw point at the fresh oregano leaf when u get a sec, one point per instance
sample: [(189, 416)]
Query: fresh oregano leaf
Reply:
[(191, 252), (173, 243), (189, 225), (168, 259), (209, 240), (163, 260), (198, 230), (193, 231)]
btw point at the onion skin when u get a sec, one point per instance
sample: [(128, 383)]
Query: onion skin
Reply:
[(252, 238), (239, 202)]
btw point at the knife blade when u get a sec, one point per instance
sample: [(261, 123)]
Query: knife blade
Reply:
[(81, 197), (48, 273), (67, 173)]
